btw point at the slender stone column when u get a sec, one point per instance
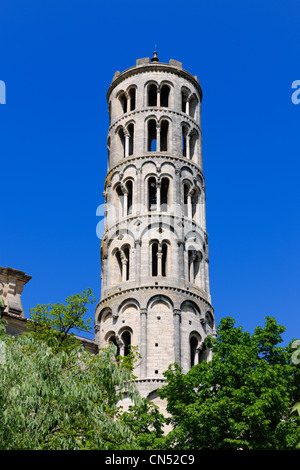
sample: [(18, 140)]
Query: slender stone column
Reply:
[(188, 139), (158, 196), (189, 204), (158, 96), (181, 258), (187, 107), (138, 261), (177, 335), (159, 261), (126, 144), (125, 210), (139, 203), (124, 267), (158, 138), (143, 344)]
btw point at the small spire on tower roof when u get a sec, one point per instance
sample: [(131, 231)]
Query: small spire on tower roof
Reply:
[(155, 58)]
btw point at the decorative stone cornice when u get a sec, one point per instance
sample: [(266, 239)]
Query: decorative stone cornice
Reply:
[(153, 110), (153, 67), (155, 288), (151, 156)]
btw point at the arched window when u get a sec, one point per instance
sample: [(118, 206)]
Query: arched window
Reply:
[(194, 201), (193, 349), (186, 189), (129, 187), (193, 145), (164, 193), (194, 259), (164, 128), (130, 129), (193, 106), (119, 264), (164, 259), (132, 97), (125, 262), (184, 100), (209, 319), (154, 251), (184, 140), (164, 96), (126, 340), (123, 102), (159, 260), (152, 136), (122, 141), (113, 340), (120, 204), (152, 194), (152, 95)]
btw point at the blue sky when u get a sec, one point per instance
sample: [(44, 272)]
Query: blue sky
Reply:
[(57, 60)]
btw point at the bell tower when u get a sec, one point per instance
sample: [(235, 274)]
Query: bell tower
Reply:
[(154, 251)]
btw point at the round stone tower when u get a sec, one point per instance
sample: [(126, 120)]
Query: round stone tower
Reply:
[(154, 250)]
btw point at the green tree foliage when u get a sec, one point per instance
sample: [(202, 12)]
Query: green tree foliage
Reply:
[(147, 424), (56, 324), (241, 399), (56, 395)]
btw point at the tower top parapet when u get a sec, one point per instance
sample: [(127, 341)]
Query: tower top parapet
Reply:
[(146, 65)]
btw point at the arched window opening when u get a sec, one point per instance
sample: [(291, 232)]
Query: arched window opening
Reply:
[(123, 101), (126, 340), (186, 189), (152, 136), (184, 141), (191, 265), (164, 96), (193, 145), (164, 193), (164, 260), (125, 263), (193, 107), (152, 194), (209, 319), (184, 100), (194, 260), (197, 267), (132, 97), (113, 340), (193, 350), (152, 95), (159, 259), (131, 138), (122, 141), (154, 251), (120, 199), (119, 263), (164, 136), (129, 187), (194, 201)]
